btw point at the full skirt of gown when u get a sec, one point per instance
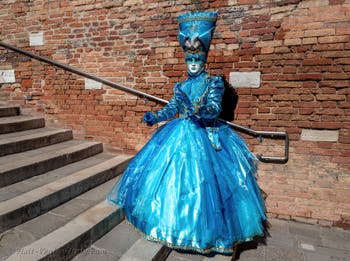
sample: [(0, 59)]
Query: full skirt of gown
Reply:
[(182, 192)]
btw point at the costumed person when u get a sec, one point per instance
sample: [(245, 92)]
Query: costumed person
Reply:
[(192, 186)]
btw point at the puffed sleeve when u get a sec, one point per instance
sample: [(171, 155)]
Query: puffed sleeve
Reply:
[(210, 107)]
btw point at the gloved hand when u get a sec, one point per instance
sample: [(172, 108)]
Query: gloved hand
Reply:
[(149, 118)]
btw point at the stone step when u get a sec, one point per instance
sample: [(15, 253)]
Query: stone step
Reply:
[(67, 241), (8, 110), (35, 182), (111, 246), (143, 250), (40, 200), (123, 243), (20, 123), (187, 256), (219, 257), (17, 238), (31, 139), (20, 166)]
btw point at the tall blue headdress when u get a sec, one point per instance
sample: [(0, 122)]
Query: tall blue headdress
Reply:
[(195, 32)]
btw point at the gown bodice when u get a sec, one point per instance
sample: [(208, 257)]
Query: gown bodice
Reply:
[(194, 87), (199, 98)]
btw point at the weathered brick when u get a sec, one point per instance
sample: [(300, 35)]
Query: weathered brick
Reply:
[(311, 40), (329, 46), (317, 61), (246, 2), (334, 39), (294, 41), (269, 43), (342, 30), (294, 34), (267, 50), (262, 31), (320, 32)]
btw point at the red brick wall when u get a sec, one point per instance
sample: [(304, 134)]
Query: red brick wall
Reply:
[(301, 48)]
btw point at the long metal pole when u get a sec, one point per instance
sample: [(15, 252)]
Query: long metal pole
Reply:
[(84, 74), (259, 134)]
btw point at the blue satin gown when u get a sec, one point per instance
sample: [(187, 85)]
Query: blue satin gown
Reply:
[(192, 186)]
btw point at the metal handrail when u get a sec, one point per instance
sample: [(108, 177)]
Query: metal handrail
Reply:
[(259, 134)]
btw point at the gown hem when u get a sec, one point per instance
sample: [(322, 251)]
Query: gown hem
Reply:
[(207, 250)]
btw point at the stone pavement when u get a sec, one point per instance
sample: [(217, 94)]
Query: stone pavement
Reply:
[(296, 241), (288, 241)]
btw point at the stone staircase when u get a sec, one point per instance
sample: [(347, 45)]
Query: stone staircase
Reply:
[(52, 197)]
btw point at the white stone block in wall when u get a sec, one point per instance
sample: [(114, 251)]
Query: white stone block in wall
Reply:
[(7, 76), (92, 85), (319, 135), (36, 39), (245, 79)]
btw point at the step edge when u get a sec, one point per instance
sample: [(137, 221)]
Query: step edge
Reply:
[(32, 136), (64, 236), (160, 252), (60, 184), (33, 141), (67, 157), (38, 201), (48, 156), (20, 125), (24, 117), (20, 119), (15, 111)]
